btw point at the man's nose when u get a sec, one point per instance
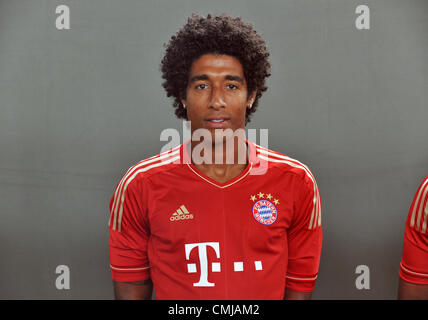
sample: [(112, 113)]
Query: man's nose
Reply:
[(217, 98)]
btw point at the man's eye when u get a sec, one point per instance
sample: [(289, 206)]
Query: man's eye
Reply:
[(232, 86), (201, 86)]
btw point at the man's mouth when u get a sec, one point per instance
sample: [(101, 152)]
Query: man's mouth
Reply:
[(217, 122)]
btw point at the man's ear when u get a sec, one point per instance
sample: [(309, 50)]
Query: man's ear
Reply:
[(183, 102), (251, 99)]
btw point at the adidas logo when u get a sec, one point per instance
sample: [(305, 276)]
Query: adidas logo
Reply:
[(181, 214)]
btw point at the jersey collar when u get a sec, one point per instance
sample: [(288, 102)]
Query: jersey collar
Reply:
[(253, 161)]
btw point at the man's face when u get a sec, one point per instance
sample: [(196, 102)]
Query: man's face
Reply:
[(217, 93)]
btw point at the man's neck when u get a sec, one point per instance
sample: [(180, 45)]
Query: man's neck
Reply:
[(222, 167)]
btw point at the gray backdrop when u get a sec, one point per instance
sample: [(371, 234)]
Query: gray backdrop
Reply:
[(79, 106)]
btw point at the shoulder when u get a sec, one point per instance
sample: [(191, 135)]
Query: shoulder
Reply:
[(423, 189), (422, 192), (424, 182), (159, 163), (417, 218), (284, 163), (308, 195), (130, 188)]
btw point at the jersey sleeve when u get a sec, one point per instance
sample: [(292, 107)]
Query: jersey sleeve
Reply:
[(305, 238), (414, 261), (129, 232)]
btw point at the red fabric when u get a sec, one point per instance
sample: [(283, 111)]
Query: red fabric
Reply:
[(192, 235), (414, 262)]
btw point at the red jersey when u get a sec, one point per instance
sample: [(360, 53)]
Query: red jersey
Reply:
[(414, 263), (249, 238)]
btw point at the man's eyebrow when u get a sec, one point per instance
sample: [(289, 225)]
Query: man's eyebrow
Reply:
[(235, 78), (205, 77), (197, 78)]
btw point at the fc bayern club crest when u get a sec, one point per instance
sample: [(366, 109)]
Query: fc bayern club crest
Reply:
[(265, 212)]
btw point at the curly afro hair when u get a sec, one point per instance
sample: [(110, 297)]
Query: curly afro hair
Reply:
[(219, 35)]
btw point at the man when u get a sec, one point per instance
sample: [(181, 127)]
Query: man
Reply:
[(414, 263), (212, 229)]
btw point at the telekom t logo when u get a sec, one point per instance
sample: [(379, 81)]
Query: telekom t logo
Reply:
[(202, 251), (238, 266)]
